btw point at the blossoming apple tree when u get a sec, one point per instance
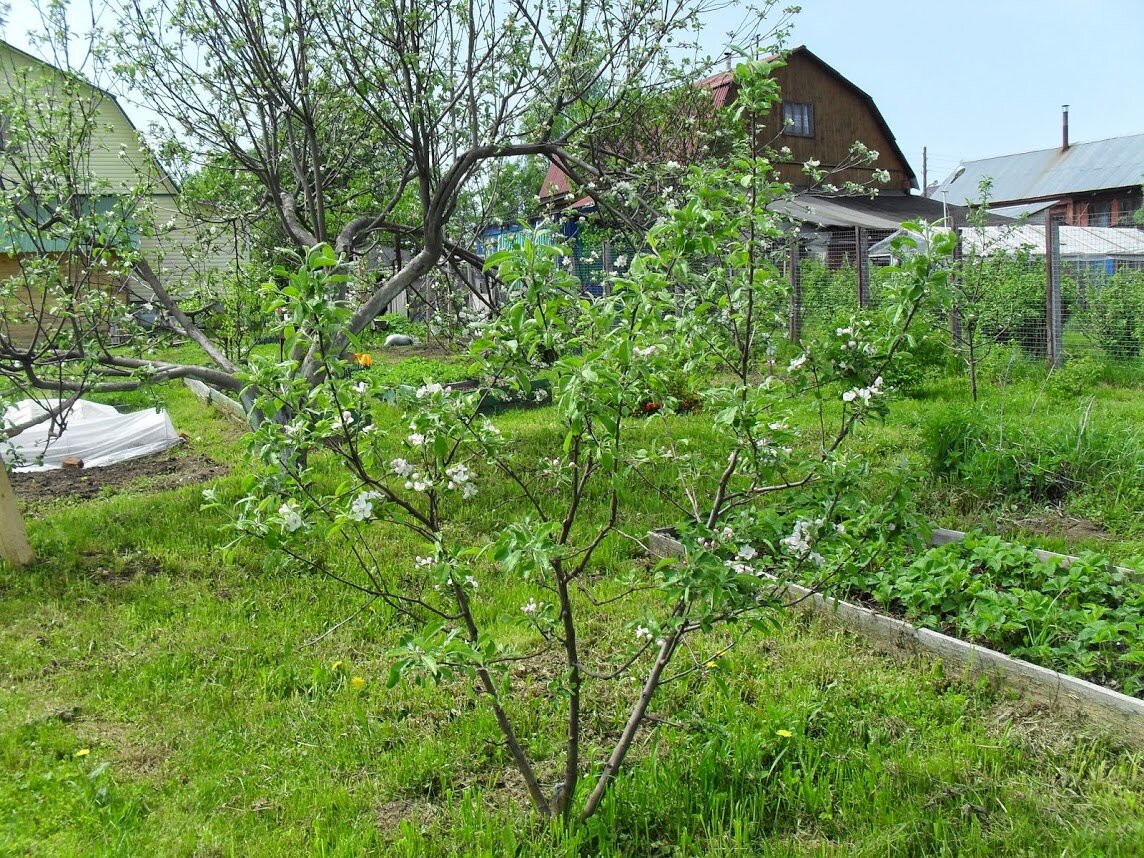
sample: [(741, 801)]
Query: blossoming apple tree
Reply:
[(755, 502)]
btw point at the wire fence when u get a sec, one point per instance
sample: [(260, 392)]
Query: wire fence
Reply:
[(1038, 292), (1042, 292)]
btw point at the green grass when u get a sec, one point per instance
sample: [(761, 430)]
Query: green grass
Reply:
[(217, 725)]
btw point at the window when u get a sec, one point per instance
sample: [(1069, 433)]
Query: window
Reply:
[(798, 119), (1100, 214), (1126, 216)]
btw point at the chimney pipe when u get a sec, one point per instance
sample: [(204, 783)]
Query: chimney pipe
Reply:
[(1064, 126)]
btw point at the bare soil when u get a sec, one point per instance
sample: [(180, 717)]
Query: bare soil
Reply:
[(162, 471)]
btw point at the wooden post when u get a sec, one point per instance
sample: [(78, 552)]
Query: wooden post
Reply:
[(1054, 346), (794, 328), (14, 545), (863, 262)]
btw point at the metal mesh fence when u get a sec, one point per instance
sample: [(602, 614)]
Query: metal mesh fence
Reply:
[(1038, 292)]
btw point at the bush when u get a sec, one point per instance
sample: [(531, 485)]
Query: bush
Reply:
[(1116, 314), (1076, 378)]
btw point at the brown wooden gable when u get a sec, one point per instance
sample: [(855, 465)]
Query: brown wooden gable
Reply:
[(842, 114)]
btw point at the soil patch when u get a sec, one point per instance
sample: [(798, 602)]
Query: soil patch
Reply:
[(148, 474), (1071, 528)]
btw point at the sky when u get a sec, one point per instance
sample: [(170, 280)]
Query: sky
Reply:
[(966, 79)]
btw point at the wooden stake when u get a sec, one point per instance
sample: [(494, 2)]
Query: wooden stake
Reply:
[(14, 545)]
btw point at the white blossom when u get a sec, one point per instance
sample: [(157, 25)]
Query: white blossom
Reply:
[(643, 633), (401, 467), (530, 607), (291, 518), (799, 540), (416, 439), (747, 552), (796, 363), (362, 507)]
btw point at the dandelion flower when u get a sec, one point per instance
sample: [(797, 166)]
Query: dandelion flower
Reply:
[(336, 664), (358, 683), (786, 734)]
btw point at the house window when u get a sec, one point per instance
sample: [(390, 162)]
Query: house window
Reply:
[(798, 118), (1100, 214)]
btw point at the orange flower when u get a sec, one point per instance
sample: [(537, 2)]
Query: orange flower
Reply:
[(363, 359)]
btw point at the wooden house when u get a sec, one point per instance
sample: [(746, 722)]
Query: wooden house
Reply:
[(110, 163), (821, 115)]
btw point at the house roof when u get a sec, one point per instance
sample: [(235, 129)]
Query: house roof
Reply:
[(865, 96), (1078, 243), (887, 210), (557, 183), (1100, 165)]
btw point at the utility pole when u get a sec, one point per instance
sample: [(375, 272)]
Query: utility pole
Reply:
[(925, 173)]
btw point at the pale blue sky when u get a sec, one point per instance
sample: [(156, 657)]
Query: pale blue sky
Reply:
[(966, 78)]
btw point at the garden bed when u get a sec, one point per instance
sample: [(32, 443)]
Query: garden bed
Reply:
[(1110, 710)]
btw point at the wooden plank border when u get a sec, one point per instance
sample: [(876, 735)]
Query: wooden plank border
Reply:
[(1118, 714), (210, 396)]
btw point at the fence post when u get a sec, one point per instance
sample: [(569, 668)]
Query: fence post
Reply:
[(794, 330), (1054, 346), (862, 258)]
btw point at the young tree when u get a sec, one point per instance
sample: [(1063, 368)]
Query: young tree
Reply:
[(704, 299), (72, 211)]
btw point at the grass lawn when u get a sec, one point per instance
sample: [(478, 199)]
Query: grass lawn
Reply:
[(163, 696)]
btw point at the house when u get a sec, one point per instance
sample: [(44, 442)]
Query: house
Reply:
[(108, 164), (821, 115), (1094, 184)]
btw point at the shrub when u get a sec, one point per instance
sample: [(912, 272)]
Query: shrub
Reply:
[(1116, 314)]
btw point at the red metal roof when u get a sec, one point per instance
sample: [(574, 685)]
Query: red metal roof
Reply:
[(557, 183)]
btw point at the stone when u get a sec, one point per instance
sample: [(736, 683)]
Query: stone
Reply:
[(398, 340)]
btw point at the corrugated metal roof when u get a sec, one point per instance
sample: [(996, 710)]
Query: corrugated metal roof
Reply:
[(1097, 166), (885, 211), (1025, 210)]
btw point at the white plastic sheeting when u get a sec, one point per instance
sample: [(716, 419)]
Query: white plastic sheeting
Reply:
[(96, 433)]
